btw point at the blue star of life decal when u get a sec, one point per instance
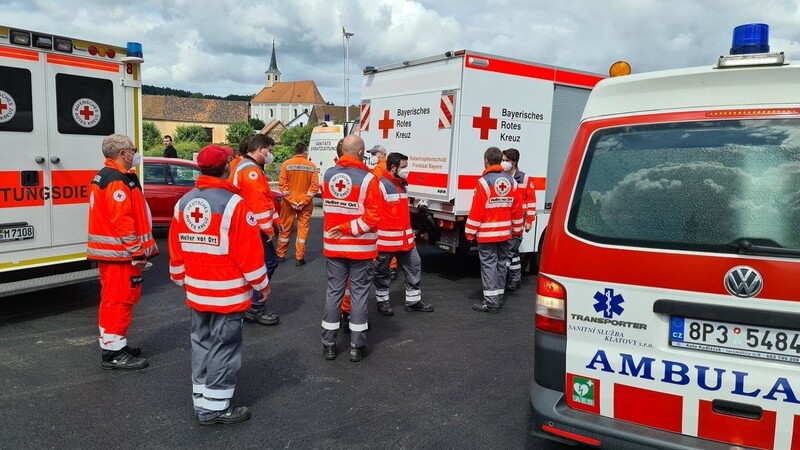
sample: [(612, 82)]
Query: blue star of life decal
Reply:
[(609, 303)]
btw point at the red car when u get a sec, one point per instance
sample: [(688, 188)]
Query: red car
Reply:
[(165, 181)]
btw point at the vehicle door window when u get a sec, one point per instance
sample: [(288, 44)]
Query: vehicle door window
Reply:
[(704, 186), (16, 103), (183, 175), (84, 105), (154, 174)]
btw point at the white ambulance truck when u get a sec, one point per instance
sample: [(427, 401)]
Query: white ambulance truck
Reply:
[(59, 97), (322, 145), (668, 306), (443, 112)]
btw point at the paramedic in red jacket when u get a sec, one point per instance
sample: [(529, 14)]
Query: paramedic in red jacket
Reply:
[(526, 190), (396, 239), (351, 200), (216, 255), (121, 241), (495, 215)]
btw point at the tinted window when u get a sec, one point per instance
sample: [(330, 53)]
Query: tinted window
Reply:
[(16, 104), (155, 174), (696, 186), (84, 105), (184, 175)]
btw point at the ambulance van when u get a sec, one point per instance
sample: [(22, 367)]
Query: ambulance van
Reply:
[(59, 97), (322, 144), (444, 111), (668, 306)]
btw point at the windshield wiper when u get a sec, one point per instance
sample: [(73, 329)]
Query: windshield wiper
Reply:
[(748, 248)]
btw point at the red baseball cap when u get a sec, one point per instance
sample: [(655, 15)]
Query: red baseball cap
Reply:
[(212, 157)]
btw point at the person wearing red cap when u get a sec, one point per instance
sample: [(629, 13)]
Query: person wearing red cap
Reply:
[(215, 254), (120, 241)]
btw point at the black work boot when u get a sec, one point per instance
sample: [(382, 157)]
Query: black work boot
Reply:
[(121, 360), (357, 354), (483, 307), (420, 307), (329, 352), (385, 309), (231, 415), (259, 314)]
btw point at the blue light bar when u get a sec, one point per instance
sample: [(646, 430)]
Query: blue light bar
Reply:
[(134, 49), (750, 38)]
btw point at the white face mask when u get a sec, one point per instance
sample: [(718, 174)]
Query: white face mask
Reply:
[(373, 160), (137, 159), (507, 166), (268, 158), (403, 173)]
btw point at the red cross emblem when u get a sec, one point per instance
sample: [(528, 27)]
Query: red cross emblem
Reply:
[(485, 122), (197, 215), (387, 123), (503, 186), (86, 112), (340, 186), (3, 107)]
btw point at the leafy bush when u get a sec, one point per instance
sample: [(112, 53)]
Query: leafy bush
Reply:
[(190, 133), (257, 124), (297, 134), (238, 131), (151, 135)]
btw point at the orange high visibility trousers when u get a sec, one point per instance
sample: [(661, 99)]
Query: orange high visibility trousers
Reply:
[(120, 289), (288, 215)]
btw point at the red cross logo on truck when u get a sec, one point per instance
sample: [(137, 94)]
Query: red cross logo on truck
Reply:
[(485, 122), (386, 124), (87, 113)]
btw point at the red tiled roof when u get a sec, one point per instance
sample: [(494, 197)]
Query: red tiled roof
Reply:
[(290, 92)]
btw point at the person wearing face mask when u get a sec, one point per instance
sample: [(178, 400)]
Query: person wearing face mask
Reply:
[(495, 216), (248, 175), (120, 241), (377, 160), (396, 239), (351, 201), (527, 193)]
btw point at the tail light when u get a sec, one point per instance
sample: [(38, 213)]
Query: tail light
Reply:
[(446, 224), (551, 306)]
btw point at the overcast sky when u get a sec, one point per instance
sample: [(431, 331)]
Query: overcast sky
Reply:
[(223, 46)]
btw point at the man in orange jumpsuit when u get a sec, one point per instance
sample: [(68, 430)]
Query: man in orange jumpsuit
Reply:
[(215, 254), (121, 241), (299, 183)]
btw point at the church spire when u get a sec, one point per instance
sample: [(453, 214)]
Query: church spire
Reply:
[(273, 75)]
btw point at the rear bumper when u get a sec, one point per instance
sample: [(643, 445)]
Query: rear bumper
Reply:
[(549, 409)]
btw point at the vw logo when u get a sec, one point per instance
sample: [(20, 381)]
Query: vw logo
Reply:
[(743, 282)]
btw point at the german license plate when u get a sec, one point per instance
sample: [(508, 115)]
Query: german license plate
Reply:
[(16, 233), (775, 344)]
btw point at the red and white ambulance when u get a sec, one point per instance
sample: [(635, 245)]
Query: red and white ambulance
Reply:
[(668, 306), (59, 97), (443, 112)]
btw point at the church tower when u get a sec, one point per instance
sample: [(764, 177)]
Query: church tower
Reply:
[(273, 74)]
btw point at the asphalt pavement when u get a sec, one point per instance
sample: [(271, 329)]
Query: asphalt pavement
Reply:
[(451, 379)]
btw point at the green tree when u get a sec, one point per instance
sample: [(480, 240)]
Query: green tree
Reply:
[(238, 131), (196, 95), (151, 135), (191, 133), (257, 124), (297, 134)]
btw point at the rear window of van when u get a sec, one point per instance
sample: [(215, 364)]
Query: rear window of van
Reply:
[(702, 186)]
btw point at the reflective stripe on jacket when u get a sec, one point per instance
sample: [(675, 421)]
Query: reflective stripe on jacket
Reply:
[(496, 211), (351, 200), (299, 180), (394, 229), (254, 188), (215, 248), (528, 194), (119, 228)]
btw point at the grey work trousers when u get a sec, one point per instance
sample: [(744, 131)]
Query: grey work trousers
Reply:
[(493, 258), (216, 359), (360, 274), (514, 262), (411, 263)]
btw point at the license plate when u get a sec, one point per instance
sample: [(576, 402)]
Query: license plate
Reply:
[(775, 344), (16, 233)]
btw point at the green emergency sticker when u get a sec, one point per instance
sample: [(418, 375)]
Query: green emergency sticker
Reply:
[(583, 391)]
